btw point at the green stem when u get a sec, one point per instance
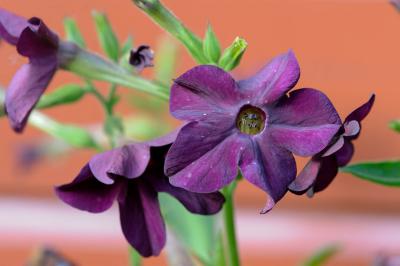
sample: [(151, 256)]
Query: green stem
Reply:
[(229, 225), (134, 257), (94, 67)]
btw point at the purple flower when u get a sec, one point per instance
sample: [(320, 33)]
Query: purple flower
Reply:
[(34, 40), (133, 176), (323, 167), (396, 4), (252, 124), (141, 57)]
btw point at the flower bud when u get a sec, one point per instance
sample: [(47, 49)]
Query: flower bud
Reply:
[(233, 54)]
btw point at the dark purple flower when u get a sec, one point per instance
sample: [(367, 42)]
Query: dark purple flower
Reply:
[(34, 40), (133, 175), (252, 124), (141, 57), (323, 167), (396, 4)]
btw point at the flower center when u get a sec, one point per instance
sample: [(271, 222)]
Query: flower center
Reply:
[(250, 120)]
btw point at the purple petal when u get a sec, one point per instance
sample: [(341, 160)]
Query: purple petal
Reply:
[(304, 123), (306, 177), (37, 41), (344, 155), (361, 112), (269, 167), (129, 161), (326, 174), (274, 80), (141, 220), (351, 128), (201, 91), (195, 140), (213, 170), (88, 194), (25, 89), (200, 203), (164, 140), (335, 147), (11, 26)]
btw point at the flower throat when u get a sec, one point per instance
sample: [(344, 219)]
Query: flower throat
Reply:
[(250, 120)]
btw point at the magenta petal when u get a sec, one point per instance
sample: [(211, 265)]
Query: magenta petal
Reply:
[(200, 203), (141, 220), (273, 80), (213, 170), (129, 161), (269, 167), (306, 177), (361, 112), (344, 155), (87, 193), (25, 89), (326, 174), (201, 91), (304, 123), (11, 26), (193, 141)]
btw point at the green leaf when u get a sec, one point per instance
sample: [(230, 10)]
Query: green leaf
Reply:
[(73, 33), (320, 257), (107, 37), (65, 94), (73, 135), (134, 257), (127, 46), (165, 61), (385, 173), (395, 125), (233, 54), (196, 232), (211, 46)]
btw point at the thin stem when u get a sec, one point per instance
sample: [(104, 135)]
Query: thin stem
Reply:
[(229, 222)]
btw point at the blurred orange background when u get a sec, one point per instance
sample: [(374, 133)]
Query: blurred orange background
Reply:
[(347, 48)]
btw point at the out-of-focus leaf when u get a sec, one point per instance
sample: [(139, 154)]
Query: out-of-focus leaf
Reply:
[(385, 173), (73, 135), (73, 33), (177, 253), (127, 46), (65, 94), (321, 256), (165, 61), (144, 127), (134, 257), (233, 54), (107, 37), (196, 232), (211, 46), (395, 125)]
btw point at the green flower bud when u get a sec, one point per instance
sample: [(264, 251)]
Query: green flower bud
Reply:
[(65, 94), (233, 54)]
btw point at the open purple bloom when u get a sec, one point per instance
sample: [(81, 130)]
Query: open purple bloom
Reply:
[(323, 167), (252, 124), (141, 57), (34, 40), (133, 175)]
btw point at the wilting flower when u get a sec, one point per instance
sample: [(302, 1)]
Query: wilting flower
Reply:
[(141, 57), (133, 176), (323, 167), (34, 40), (251, 124)]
